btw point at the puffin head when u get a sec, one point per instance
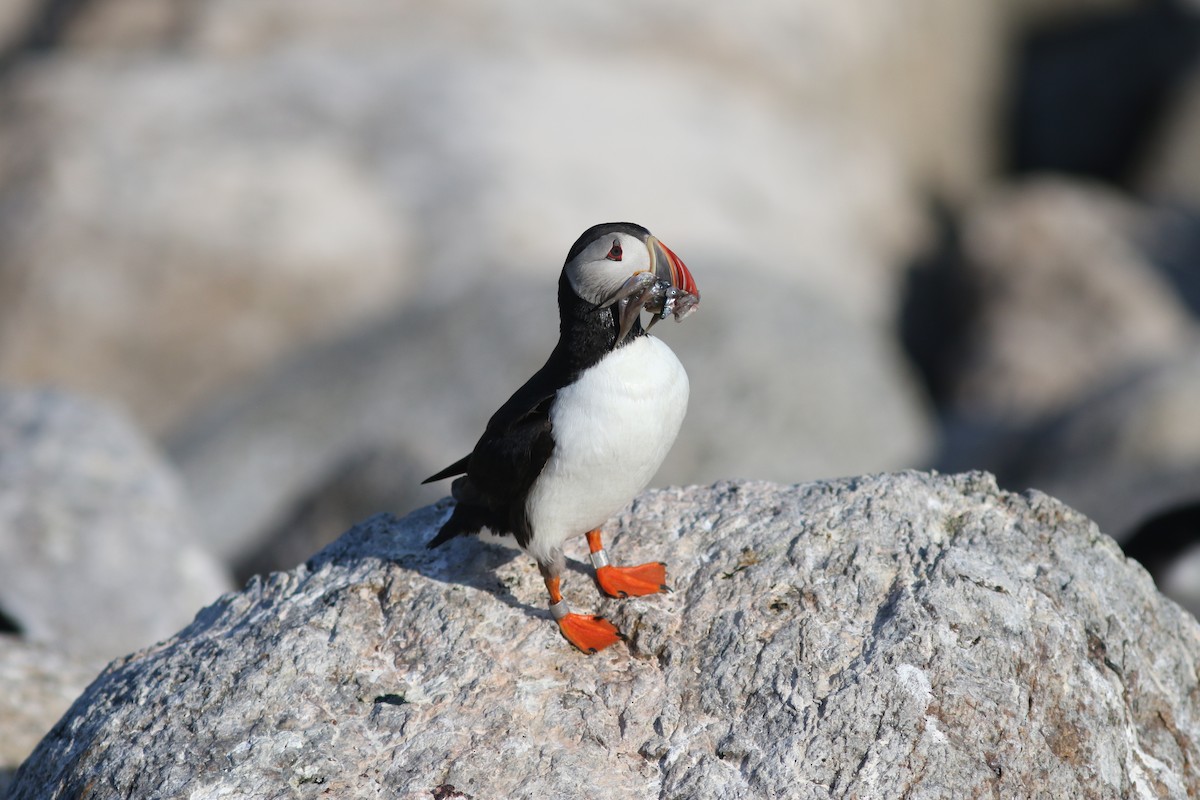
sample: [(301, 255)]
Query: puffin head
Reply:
[(623, 262)]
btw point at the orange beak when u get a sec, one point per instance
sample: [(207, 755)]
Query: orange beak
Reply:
[(671, 268)]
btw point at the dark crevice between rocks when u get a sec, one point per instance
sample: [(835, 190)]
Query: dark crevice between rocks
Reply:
[(888, 609), (9, 625), (1088, 93), (43, 31), (51, 24), (938, 308), (1157, 542), (1098, 653), (1173, 246)]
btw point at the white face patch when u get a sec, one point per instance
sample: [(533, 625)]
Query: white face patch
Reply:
[(597, 272)]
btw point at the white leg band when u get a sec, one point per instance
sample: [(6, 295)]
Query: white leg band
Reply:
[(600, 559), (560, 609)]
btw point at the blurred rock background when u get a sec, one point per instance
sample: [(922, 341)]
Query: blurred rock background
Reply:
[(283, 258)]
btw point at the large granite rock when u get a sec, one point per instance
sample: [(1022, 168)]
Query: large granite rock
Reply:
[(1050, 293), (98, 554), (899, 635)]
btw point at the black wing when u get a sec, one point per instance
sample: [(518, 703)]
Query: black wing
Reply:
[(504, 464), (523, 410)]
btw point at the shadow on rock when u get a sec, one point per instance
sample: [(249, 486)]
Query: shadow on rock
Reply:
[(470, 562)]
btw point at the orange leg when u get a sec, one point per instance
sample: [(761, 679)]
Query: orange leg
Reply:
[(625, 581), (587, 632)]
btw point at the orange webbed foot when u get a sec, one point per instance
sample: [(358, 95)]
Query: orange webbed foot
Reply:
[(633, 581), (589, 633)]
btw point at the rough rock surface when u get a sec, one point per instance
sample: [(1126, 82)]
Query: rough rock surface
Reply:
[(899, 635), (97, 549)]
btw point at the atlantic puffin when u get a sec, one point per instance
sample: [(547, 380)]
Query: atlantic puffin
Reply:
[(587, 432)]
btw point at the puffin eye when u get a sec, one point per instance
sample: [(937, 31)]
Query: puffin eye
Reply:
[(614, 252)]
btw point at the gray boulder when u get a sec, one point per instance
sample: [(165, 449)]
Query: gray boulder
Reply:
[(97, 548), (1124, 452), (899, 635), (158, 280), (1067, 299)]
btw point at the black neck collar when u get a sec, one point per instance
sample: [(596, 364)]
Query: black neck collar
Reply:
[(585, 333)]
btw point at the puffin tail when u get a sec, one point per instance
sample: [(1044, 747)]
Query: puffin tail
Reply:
[(467, 519), (457, 468)]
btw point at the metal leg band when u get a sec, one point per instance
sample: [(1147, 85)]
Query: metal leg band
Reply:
[(600, 559), (560, 609)]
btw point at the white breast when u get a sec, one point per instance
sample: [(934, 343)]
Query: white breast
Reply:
[(612, 430)]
